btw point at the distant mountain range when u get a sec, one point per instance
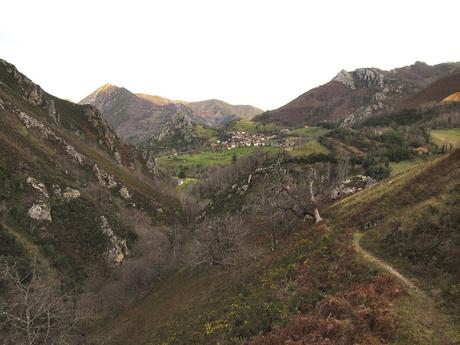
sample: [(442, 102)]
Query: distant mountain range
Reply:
[(217, 112), (351, 97), (140, 117)]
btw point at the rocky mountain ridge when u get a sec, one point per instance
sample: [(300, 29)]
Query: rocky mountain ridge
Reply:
[(351, 97)]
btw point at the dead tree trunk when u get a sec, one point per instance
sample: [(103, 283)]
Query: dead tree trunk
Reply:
[(313, 176), (316, 214)]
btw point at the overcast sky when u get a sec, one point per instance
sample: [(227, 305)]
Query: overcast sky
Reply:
[(263, 53)]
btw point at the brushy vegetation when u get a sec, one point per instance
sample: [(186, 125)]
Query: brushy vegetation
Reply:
[(377, 149), (361, 315), (432, 116), (449, 137), (252, 127), (197, 137), (230, 307), (413, 222)]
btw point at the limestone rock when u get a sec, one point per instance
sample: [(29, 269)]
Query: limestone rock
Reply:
[(124, 192), (57, 190), (40, 211), (352, 185), (31, 122), (243, 189), (38, 186), (101, 126), (346, 78), (150, 162), (78, 157), (118, 249), (371, 76), (70, 194), (30, 91), (104, 178), (47, 133), (117, 157)]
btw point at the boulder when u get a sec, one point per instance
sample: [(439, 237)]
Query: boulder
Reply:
[(124, 192), (351, 185), (40, 211)]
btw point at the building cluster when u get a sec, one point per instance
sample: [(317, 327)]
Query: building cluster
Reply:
[(241, 139)]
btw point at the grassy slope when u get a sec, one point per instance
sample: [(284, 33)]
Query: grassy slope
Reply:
[(253, 127), (310, 132), (205, 159), (414, 221), (446, 136), (308, 148), (399, 167), (210, 306)]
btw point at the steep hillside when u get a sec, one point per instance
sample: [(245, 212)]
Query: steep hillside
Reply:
[(353, 96), (455, 97), (412, 221), (218, 112), (68, 185), (299, 285), (435, 92)]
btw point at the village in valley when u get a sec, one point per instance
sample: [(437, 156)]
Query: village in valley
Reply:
[(244, 139), (241, 139)]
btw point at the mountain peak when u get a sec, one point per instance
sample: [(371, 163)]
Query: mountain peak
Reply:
[(107, 87), (103, 93), (346, 78)]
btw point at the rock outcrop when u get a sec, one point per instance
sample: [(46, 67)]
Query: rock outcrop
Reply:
[(149, 159), (30, 91), (117, 249), (351, 97), (101, 127), (45, 132), (104, 178), (41, 209), (352, 185), (124, 192), (346, 78), (70, 193)]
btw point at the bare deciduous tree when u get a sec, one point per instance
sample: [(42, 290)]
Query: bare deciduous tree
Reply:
[(218, 240), (191, 208), (343, 169), (34, 312), (282, 198)]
